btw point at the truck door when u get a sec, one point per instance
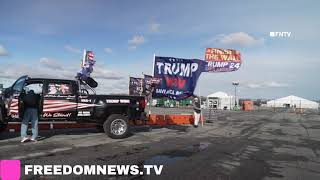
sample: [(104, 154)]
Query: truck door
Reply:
[(87, 104), (13, 101), (60, 101)]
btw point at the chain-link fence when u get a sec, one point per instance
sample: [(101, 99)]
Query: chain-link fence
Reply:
[(292, 106), (302, 107)]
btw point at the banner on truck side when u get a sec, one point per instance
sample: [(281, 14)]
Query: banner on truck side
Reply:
[(135, 86), (222, 60), (178, 76)]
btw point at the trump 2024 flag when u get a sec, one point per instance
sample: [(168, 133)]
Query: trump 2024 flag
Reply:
[(179, 76)]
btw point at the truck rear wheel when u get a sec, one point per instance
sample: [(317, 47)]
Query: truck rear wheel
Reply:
[(116, 126)]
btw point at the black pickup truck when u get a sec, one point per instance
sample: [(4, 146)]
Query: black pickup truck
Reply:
[(72, 100)]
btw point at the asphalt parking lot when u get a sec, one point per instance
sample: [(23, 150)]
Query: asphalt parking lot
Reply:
[(237, 145)]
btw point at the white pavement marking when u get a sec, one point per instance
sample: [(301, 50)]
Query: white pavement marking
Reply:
[(38, 154)]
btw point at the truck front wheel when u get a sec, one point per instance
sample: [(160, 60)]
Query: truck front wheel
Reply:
[(116, 126)]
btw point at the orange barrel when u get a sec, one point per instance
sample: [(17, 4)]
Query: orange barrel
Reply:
[(247, 105), (179, 119)]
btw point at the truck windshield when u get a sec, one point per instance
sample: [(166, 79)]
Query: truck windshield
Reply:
[(18, 85)]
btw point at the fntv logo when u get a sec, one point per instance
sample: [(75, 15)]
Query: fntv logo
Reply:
[(280, 34), (10, 169)]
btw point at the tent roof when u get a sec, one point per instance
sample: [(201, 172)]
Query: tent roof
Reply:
[(292, 98), (219, 94)]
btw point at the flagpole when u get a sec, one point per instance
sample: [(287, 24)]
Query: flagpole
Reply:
[(129, 85), (83, 57), (142, 82), (154, 60), (142, 85), (201, 118), (150, 95)]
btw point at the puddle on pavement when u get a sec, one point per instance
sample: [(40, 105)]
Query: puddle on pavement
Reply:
[(203, 145), (173, 156), (163, 159)]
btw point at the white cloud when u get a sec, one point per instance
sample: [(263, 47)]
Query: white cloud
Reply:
[(14, 70), (154, 27), (50, 63), (254, 85), (238, 38), (3, 51), (112, 87), (132, 47), (109, 81), (102, 72), (72, 49), (108, 50), (276, 84), (136, 40)]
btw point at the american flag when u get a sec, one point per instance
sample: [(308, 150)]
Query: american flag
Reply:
[(90, 55)]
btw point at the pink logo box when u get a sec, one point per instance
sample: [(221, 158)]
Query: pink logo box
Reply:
[(10, 169)]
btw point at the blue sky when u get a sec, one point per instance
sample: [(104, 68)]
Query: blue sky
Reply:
[(45, 38)]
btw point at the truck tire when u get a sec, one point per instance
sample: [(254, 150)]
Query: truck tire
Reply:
[(116, 126)]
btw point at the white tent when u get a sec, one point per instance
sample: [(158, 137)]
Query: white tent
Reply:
[(293, 101), (220, 100), (219, 94)]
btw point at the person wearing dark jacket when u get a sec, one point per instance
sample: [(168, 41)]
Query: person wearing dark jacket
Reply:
[(31, 113), (197, 111)]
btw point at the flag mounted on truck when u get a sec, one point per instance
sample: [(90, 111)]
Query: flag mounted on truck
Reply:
[(142, 86), (135, 86), (149, 84)]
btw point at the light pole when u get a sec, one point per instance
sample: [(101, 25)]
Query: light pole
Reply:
[(235, 84)]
